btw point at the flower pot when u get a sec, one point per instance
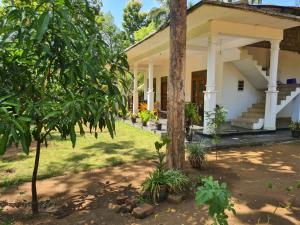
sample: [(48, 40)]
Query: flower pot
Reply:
[(296, 133), (163, 193), (158, 126), (133, 119), (144, 123), (197, 162)]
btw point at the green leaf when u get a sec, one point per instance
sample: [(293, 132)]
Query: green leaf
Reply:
[(25, 143), (3, 142), (43, 24)]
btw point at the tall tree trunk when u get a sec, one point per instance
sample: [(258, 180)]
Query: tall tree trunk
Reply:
[(34, 205), (176, 104)]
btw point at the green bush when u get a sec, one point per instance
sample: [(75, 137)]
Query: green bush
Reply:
[(173, 180), (217, 197), (176, 181), (146, 115)]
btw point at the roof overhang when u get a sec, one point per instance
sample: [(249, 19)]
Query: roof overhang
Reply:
[(207, 18)]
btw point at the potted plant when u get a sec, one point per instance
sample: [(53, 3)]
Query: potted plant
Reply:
[(197, 155), (157, 123), (133, 118), (295, 129), (162, 181), (145, 115), (191, 117)]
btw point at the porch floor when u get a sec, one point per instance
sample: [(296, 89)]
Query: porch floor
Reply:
[(231, 137)]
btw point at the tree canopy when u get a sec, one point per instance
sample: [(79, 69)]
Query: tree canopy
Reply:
[(57, 72)]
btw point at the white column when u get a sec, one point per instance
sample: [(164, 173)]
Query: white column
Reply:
[(145, 87), (150, 98), (272, 93), (296, 109), (210, 95), (135, 105)]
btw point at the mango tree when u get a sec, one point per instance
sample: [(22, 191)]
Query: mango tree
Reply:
[(57, 73)]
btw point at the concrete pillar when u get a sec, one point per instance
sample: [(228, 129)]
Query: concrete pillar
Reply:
[(210, 95), (150, 96), (296, 109), (272, 93), (135, 105)]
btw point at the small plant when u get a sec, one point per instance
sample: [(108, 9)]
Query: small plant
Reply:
[(215, 120), (133, 117), (217, 197), (162, 181), (197, 155), (176, 181), (157, 123), (191, 117), (295, 129), (143, 107), (146, 116)]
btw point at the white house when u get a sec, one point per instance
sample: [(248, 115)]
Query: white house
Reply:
[(239, 56)]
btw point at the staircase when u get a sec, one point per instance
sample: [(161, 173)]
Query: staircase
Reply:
[(251, 69), (254, 117)]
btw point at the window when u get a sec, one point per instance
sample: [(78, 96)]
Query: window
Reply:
[(241, 85)]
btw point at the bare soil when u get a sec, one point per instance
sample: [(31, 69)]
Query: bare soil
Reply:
[(89, 197)]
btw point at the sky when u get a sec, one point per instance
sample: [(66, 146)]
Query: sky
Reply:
[(116, 6)]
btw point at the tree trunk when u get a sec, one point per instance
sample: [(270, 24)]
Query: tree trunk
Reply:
[(34, 205), (176, 104)]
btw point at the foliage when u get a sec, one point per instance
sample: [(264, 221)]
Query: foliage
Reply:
[(160, 15), (174, 180), (133, 18), (294, 126), (143, 106), (217, 197), (197, 155), (215, 120), (144, 32), (145, 115), (191, 113), (56, 72)]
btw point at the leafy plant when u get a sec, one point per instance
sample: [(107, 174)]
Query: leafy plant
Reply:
[(170, 180), (217, 197), (56, 73), (176, 180), (146, 116), (294, 126), (143, 106), (191, 117), (197, 155)]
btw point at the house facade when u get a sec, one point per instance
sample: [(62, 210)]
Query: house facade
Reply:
[(244, 58)]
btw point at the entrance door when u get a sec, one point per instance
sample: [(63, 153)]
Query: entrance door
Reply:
[(198, 87), (164, 93)]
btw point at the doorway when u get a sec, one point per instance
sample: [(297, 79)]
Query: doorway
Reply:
[(164, 93), (198, 88)]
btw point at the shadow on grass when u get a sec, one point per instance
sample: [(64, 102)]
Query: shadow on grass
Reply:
[(110, 148)]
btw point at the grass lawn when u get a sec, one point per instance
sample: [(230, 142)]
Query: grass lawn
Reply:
[(130, 144)]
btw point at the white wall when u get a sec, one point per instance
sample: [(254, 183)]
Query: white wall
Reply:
[(289, 62), (237, 102)]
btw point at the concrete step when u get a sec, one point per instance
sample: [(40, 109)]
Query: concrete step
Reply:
[(259, 105), (257, 110), (246, 125), (247, 120), (256, 115)]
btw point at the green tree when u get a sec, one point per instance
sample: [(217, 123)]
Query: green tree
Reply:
[(133, 18), (56, 73), (160, 15), (144, 32)]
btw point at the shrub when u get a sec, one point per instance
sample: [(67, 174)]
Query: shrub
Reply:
[(197, 155), (294, 126), (145, 115), (217, 197), (176, 181)]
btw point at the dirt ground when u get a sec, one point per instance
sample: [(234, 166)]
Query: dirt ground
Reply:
[(247, 171)]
